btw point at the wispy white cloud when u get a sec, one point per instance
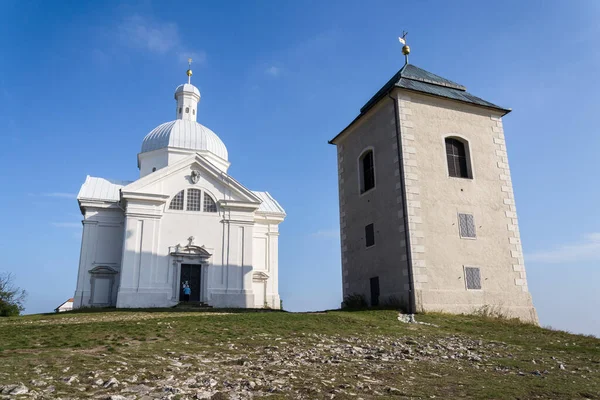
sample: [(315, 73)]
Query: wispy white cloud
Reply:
[(327, 234), (150, 35), (62, 195), (67, 224), (587, 249), (273, 71), (157, 37)]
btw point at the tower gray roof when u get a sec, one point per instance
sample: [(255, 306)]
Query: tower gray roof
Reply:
[(415, 79), (411, 77)]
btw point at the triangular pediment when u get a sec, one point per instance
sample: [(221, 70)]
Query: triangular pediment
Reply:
[(184, 172)]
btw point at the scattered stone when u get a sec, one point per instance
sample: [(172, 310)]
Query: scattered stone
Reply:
[(71, 379), (393, 390), (204, 395), (38, 383), (19, 389), (561, 366), (112, 382), (139, 389)]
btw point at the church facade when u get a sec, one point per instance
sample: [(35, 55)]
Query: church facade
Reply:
[(184, 223), (427, 210)]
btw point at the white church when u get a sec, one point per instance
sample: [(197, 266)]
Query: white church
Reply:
[(184, 222)]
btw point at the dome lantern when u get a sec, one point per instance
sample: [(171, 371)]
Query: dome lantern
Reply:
[(188, 97)]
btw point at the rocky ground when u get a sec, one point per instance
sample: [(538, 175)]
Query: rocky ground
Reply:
[(293, 363)]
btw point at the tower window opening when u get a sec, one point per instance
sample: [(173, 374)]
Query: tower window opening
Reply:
[(187, 110), (457, 156), (367, 172), (369, 235), (179, 110)]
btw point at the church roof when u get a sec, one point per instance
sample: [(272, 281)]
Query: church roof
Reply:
[(101, 189), (415, 79), (268, 203), (184, 134)]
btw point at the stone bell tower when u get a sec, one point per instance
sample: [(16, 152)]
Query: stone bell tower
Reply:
[(427, 211)]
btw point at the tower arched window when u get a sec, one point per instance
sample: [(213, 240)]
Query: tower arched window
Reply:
[(193, 200), (177, 202), (367, 171), (209, 204), (457, 156), (187, 110)]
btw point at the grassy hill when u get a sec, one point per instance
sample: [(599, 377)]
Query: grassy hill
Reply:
[(342, 355)]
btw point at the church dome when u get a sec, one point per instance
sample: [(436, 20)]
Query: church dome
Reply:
[(184, 134)]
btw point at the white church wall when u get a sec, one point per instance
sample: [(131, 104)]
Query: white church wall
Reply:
[(153, 229), (140, 265), (101, 246), (236, 271), (265, 260), (273, 297)]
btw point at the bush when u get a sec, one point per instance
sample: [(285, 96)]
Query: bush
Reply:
[(12, 298), (492, 312), (354, 302)]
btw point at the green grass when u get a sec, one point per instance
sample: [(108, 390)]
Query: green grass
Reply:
[(95, 341)]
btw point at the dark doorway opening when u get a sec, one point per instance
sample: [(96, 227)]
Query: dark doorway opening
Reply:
[(374, 291), (190, 274)]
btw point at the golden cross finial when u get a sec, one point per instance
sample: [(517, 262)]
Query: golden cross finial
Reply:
[(189, 71), (405, 48)]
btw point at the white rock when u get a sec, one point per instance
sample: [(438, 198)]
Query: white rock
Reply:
[(21, 389), (111, 383)]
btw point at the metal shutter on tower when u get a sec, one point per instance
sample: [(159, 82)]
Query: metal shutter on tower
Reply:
[(472, 278), (466, 224)]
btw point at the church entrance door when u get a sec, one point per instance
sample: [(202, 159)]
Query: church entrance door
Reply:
[(190, 274)]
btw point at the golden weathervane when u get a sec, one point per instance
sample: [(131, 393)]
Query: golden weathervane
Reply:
[(405, 48), (189, 71)]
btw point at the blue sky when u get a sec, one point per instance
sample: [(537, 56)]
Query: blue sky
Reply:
[(81, 84)]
